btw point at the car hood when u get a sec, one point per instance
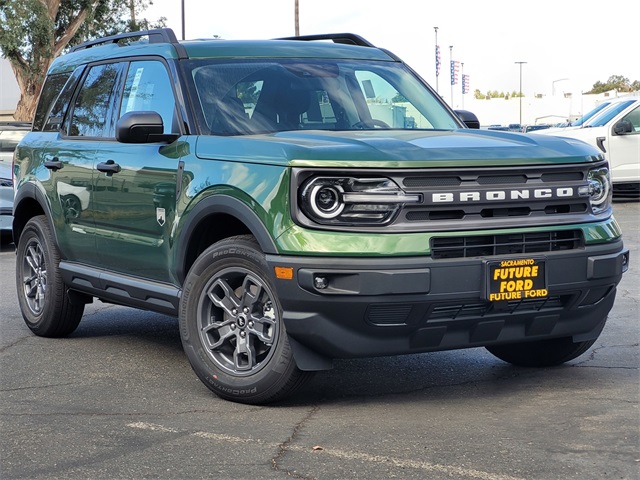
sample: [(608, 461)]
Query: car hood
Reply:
[(405, 149)]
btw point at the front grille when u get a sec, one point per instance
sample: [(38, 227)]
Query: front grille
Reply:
[(389, 314), (500, 197), (506, 244)]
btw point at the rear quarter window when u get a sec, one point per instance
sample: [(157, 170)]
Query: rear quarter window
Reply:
[(50, 91)]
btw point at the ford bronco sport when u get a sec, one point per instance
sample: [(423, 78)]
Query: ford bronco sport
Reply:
[(294, 201)]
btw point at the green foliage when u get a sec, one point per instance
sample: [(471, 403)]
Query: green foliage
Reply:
[(398, 98), (495, 94), (27, 30), (478, 95), (617, 83), (23, 25), (111, 17), (34, 32)]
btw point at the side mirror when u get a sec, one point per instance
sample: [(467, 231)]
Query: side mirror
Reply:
[(142, 127), (468, 118), (622, 127)]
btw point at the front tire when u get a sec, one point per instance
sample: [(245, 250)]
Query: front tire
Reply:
[(542, 353), (45, 305), (231, 325)]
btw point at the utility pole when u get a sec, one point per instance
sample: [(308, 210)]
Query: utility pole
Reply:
[(520, 92), (182, 19), (297, 18), (132, 10)]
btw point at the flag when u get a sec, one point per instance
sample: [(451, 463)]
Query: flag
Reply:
[(465, 84), (455, 66), (437, 60)]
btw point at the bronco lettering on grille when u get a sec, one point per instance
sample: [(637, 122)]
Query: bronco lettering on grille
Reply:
[(498, 195)]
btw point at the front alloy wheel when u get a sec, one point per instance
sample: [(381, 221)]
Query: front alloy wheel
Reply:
[(231, 325), (237, 322)]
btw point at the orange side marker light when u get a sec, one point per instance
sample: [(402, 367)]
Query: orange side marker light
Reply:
[(284, 273)]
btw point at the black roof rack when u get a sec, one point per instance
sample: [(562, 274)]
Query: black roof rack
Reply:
[(158, 35), (345, 38)]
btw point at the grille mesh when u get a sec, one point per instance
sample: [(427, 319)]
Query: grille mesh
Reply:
[(507, 244), (454, 312)]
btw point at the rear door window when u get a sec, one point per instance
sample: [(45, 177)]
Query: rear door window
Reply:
[(93, 113)]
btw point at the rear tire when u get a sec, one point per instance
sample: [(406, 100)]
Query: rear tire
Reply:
[(543, 353), (45, 305), (231, 325)]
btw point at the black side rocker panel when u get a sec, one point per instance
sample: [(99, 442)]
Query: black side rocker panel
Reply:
[(122, 289)]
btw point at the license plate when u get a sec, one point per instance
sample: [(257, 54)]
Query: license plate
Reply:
[(515, 279)]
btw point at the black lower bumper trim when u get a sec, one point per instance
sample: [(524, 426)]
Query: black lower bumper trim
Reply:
[(427, 305)]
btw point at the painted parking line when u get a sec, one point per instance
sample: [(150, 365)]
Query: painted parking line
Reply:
[(448, 470)]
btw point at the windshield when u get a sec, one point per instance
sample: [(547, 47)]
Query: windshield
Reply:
[(583, 119), (606, 116), (239, 97)]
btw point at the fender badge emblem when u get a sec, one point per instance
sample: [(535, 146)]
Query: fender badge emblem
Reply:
[(160, 216)]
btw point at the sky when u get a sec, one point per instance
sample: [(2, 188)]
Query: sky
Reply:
[(567, 45)]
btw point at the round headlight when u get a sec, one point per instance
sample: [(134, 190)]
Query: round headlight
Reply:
[(326, 200), (599, 189), (599, 185)]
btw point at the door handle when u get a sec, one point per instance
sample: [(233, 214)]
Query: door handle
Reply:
[(53, 164), (109, 167)]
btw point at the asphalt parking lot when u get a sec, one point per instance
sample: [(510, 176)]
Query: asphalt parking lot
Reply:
[(118, 399)]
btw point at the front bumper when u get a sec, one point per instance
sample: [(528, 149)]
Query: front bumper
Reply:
[(389, 306)]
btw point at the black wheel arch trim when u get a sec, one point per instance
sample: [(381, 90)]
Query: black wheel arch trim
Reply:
[(30, 191), (224, 204)]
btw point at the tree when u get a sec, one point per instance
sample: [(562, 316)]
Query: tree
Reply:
[(617, 83), (34, 32), (398, 98)]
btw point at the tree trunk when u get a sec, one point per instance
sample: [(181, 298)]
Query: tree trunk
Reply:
[(30, 85), (26, 108)]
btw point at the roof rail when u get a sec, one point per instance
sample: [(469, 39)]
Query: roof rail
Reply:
[(345, 38), (158, 35)]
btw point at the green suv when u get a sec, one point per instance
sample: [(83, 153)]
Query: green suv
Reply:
[(293, 201)]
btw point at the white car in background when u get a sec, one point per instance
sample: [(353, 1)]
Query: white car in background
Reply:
[(10, 135), (615, 130)]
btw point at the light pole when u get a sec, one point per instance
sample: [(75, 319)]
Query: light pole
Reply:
[(520, 92), (553, 85), (437, 60), (297, 18)]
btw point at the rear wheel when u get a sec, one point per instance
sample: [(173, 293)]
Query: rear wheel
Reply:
[(42, 296), (231, 325), (543, 353)]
